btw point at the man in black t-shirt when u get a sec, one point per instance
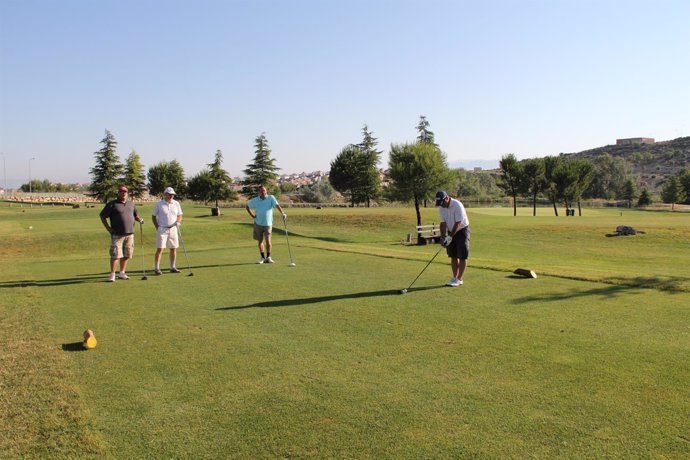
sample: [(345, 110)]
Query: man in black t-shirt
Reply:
[(122, 214)]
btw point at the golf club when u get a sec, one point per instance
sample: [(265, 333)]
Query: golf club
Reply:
[(404, 291), (189, 267), (292, 264), (143, 259)]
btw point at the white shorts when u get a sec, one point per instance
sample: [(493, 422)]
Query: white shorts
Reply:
[(167, 238)]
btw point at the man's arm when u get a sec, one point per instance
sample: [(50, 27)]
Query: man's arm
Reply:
[(455, 229), (249, 210), (105, 224)]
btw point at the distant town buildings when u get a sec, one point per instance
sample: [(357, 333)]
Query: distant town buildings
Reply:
[(302, 178), (635, 140)]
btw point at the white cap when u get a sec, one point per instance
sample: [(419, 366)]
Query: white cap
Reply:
[(169, 191)]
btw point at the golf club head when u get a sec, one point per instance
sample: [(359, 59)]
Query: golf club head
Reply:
[(292, 264), (144, 278), (190, 274), (403, 291)]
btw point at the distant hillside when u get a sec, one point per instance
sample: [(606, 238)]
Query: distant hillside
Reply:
[(651, 164)]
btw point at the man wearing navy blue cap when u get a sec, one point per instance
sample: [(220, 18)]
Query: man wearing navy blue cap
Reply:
[(455, 234)]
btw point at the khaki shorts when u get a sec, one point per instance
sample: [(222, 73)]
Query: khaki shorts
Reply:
[(167, 238), (260, 231), (121, 246)]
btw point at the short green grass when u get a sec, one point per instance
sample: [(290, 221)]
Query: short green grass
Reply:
[(326, 359)]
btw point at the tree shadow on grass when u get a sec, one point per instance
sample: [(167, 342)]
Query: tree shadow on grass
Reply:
[(616, 287), (320, 299)]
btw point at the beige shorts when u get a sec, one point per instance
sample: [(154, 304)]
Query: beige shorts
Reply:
[(167, 238), (260, 231), (121, 246)]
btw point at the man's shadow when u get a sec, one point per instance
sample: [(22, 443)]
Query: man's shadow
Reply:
[(329, 298)]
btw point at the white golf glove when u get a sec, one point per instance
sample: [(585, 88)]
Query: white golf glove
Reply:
[(141, 221), (284, 216), (446, 241)]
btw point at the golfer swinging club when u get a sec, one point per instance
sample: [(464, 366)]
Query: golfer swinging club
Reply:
[(455, 234), (263, 221)]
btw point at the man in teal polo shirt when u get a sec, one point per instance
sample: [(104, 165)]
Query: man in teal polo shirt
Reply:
[(262, 214)]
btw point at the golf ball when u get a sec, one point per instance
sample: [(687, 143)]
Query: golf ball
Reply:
[(31, 227)]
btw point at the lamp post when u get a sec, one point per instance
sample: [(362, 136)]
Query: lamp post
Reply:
[(30, 160)]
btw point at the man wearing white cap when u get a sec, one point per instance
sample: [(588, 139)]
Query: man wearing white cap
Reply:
[(167, 215), (455, 234)]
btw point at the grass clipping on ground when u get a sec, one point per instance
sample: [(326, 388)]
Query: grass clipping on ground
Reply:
[(37, 398)]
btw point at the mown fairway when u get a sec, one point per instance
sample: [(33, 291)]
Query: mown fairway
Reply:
[(327, 360)]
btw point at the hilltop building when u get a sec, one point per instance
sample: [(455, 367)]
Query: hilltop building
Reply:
[(635, 140)]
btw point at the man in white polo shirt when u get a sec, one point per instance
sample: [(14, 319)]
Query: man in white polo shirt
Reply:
[(167, 215), (455, 234)]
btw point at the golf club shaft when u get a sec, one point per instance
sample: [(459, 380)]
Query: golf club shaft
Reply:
[(179, 233), (143, 258), (424, 269), (288, 240)]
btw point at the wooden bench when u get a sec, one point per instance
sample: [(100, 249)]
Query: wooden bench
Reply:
[(428, 234)]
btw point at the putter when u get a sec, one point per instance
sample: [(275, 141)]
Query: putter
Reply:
[(404, 291), (189, 267), (143, 259), (292, 264)]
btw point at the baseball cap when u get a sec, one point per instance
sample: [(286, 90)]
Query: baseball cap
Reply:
[(122, 189), (440, 196), (169, 191)]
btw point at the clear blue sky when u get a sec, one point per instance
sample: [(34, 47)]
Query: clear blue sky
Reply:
[(178, 79)]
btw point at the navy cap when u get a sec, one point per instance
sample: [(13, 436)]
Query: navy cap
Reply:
[(440, 196)]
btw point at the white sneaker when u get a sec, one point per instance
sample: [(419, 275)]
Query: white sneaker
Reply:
[(111, 278), (260, 261), (123, 276), (268, 260), (454, 282)]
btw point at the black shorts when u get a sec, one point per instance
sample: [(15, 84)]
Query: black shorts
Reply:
[(460, 247)]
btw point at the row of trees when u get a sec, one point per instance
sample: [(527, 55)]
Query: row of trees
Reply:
[(566, 181), (45, 186), (559, 180), (416, 170), (212, 184)]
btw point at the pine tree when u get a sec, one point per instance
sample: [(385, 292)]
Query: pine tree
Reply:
[(220, 187), (645, 198), (134, 177), (346, 173), (371, 181), (262, 171), (672, 192), (107, 172), (426, 136)]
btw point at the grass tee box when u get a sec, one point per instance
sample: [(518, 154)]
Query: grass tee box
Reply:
[(326, 360)]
